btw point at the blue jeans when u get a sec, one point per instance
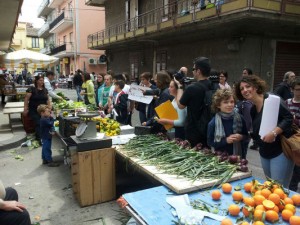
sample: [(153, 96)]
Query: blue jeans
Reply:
[(46, 149), (279, 168), (78, 90)]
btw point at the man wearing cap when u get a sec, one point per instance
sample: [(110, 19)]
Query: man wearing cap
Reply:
[(47, 82), (193, 99)]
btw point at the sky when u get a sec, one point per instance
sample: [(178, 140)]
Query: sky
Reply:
[(29, 13)]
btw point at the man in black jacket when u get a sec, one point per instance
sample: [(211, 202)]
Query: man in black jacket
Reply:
[(77, 81), (284, 88)]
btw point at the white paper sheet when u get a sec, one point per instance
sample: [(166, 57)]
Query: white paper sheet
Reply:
[(136, 94), (270, 115)]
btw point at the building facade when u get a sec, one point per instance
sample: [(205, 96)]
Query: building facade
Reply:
[(154, 35), (67, 25)]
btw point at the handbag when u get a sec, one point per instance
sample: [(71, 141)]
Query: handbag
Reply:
[(291, 145)]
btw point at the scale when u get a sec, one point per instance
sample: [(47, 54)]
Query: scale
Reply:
[(87, 128)]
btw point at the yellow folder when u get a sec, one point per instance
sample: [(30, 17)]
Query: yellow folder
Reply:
[(167, 111)]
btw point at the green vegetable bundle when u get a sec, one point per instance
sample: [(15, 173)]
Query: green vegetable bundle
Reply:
[(173, 159)]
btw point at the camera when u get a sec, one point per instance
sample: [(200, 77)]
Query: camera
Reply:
[(180, 76)]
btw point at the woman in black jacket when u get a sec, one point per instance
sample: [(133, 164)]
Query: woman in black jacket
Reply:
[(274, 163)]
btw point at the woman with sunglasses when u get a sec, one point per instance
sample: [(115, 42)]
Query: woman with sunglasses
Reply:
[(34, 97)]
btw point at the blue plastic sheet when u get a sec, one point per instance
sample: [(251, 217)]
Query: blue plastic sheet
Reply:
[(151, 205)]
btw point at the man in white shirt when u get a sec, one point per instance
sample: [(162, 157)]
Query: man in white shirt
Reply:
[(47, 82)]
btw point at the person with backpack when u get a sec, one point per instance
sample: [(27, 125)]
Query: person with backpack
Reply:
[(227, 130), (197, 99)]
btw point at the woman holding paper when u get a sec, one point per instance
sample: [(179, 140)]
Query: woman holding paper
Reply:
[(179, 123), (274, 163)]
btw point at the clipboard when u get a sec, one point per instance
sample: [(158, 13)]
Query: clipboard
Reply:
[(167, 111)]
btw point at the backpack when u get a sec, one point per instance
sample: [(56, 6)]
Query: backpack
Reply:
[(206, 113)]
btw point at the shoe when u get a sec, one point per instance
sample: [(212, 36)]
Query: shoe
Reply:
[(53, 164), (45, 162)]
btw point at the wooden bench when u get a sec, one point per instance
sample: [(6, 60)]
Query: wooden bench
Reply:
[(10, 111), (14, 105)]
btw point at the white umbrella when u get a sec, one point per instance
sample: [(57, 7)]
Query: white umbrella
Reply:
[(26, 57)]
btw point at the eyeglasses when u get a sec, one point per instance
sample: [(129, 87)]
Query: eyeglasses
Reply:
[(221, 76), (298, 89)]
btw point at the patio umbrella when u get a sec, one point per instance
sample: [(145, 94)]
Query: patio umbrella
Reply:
[(24, 57)]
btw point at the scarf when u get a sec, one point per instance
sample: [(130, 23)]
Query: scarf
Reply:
[(236, 126)]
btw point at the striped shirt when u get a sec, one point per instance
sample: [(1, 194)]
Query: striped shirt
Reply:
[(294, 107)]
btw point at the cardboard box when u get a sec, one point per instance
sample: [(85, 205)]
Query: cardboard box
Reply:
[(93, 176)]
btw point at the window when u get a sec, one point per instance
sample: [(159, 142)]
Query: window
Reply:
[(65, 39), (35, 42)]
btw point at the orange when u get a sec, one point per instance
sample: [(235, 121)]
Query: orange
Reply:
[(280, 207), (260, 207), (216, 195), (258, 223), (290, 207), (226, 222), (268, 204), (247, 187), (226, 188), (258, 199), (276, 209), (249, 201), (234, 210), (288, 201), (258, 214), (257, 192), (245, 212), (265, 192), (294, 220), (286, 214), (244, 223), (274, 186), (237, 196), (280, 192), (272, 216), (296, 199), (274, 198)]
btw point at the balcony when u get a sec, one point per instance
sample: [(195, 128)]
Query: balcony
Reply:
[(169, 23), (45, 50), (44, 31), (55, 3), (63, 50), (44, 9), (99, 3), (62, 22)]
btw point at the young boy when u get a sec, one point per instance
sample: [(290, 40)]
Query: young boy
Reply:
[(47, 130), (227, 130), (294, 106), (121, 102)]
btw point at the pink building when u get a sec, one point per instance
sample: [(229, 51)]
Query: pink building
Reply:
[(67, 25)]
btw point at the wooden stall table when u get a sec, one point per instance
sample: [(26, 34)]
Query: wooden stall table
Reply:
[(150, 207), (10, 111), (179, 185)]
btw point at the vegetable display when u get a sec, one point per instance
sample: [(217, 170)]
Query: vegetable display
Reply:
[(174, 157)]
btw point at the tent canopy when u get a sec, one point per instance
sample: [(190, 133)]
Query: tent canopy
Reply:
[(24, 57)]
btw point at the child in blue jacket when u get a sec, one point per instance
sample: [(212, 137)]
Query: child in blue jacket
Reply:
[(47, 130)]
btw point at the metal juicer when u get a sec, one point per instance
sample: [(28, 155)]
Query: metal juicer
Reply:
[(87, 128)]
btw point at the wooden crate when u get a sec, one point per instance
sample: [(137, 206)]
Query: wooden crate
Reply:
[(93, 176)]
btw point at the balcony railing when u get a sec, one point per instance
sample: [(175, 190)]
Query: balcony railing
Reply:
[(65, 15), (64, 47), (45, 50), (185, 12), (43, 5)]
